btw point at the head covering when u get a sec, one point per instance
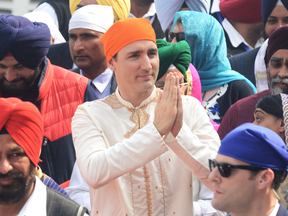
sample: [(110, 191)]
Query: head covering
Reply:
[(207, 43), (256, 145), (177, 54), (166, 9), (243, 11), (94, 17), (23, 122), (120, 34), (44, 17), (268, 6), (277, 40), (121, 8), (28, 42)]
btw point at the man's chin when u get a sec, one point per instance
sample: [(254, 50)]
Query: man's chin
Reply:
[(276, 90)]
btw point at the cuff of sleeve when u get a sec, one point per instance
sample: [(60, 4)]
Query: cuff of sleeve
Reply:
[(197, 209)]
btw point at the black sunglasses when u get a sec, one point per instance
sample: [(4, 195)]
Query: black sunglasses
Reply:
[(225, 169), (179, 36)]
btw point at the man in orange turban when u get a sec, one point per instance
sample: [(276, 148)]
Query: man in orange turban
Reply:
[(132, 146), (21, 192)]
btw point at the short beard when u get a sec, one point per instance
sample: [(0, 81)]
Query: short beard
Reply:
[(10, 194), (27, 83), (272, 83)]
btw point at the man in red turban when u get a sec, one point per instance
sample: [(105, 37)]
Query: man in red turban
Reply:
[(21, 192)]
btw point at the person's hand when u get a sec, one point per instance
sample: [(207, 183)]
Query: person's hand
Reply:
[(166, 108), (179, 117)]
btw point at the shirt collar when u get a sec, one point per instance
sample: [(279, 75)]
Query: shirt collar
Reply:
[(215, 6), (150, 13), (143, 103), (235, 37), (36, 203), (275, 210), (102, 80)]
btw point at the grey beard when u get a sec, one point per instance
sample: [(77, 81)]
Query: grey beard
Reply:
[(272, 83)]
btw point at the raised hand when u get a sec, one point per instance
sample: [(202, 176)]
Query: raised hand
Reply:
[(166, 108)]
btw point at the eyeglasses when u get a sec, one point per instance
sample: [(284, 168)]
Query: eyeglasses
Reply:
[(179, 36), (225, 169)]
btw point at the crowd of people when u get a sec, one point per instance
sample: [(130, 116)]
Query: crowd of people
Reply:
[(136, 107)]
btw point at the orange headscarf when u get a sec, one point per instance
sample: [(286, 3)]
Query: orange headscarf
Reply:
[(124, 32), (23, 122)]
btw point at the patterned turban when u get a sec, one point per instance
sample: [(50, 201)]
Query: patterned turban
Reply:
[(119, 35), (121, 8), (243, 11), (23, 121), (277, 40), (268, 6), (177, 54), (28, 42), (256, 145)]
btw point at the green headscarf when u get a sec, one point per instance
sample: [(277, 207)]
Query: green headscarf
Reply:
[(177, 54)]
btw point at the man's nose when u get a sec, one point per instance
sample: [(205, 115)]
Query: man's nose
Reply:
[(5, 166), (283, 72), (78, 45), (214, 175), (146, 63), (10, 75)]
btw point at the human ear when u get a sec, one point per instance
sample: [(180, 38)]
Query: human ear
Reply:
[(265, 179), (111, 64)]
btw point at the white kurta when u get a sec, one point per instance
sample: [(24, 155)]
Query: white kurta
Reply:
[(133, 171)]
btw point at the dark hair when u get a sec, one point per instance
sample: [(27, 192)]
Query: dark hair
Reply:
[(271, 104), (278, 177), (184, 5), (115, 57)]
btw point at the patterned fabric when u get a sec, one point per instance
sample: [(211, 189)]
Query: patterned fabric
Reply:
[(212, 107), (206, 39)]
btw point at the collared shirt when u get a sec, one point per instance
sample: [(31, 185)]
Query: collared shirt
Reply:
[(102, 83), (150, 15), (134, 168), (275, 210), (37, 202)]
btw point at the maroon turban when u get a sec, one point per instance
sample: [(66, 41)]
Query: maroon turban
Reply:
[(243, 11), (277, 40), (23, 122)]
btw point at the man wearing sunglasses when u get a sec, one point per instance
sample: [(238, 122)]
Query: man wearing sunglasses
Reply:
[(250, 166)]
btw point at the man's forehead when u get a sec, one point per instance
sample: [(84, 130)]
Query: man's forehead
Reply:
[(141, 45), (9, 60), (281, 53), (7, 141), (227, 159), (83, 31)]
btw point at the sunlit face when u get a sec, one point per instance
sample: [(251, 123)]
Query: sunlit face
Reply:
[(178, 28), (267, 120), (161, 82), (278, 72), (17, 173), (235, 193), (277, 19), (86, 48), (136, 67), (15, 79)]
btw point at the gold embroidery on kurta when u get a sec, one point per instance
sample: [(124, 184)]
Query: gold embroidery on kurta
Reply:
[(132, 193), (162, 184), (148, 190)]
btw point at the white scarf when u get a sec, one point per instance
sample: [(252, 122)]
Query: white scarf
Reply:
[(260, 68)]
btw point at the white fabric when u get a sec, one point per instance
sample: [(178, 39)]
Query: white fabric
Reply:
[(143, 172), (150, 15), (44, 17), (78, 190), (279, 3), (36, 203), (50, 10), (102, 82), (171, 67), (94, 17), (167, 9), (215, 6), (276, 209), (260, 69)]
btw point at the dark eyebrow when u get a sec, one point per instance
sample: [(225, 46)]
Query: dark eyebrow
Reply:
[(88, 34), (79, 6), (153, 50), (135, 52), (16, 149), (274, 17), (276, 59), (259, 111)]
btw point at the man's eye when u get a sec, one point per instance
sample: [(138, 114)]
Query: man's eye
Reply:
[(272, 21), (152, 54)]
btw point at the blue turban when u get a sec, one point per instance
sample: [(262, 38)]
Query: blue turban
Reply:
[(28, 42), (268, 6), (206, 39), (256, 145)]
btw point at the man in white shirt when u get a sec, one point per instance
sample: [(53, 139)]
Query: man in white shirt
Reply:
[(86, 27), (21, 192), (131, 149), (251, 164)]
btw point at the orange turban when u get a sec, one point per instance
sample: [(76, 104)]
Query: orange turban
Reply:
[(124, 32), (23, 122)]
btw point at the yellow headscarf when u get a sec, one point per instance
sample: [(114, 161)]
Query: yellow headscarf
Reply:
[(121, 8)]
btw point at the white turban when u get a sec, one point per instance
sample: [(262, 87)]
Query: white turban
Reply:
[(94, 17), (44, 17), (166, 9)]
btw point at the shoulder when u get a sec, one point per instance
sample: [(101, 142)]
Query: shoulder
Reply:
[(57, 204)]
